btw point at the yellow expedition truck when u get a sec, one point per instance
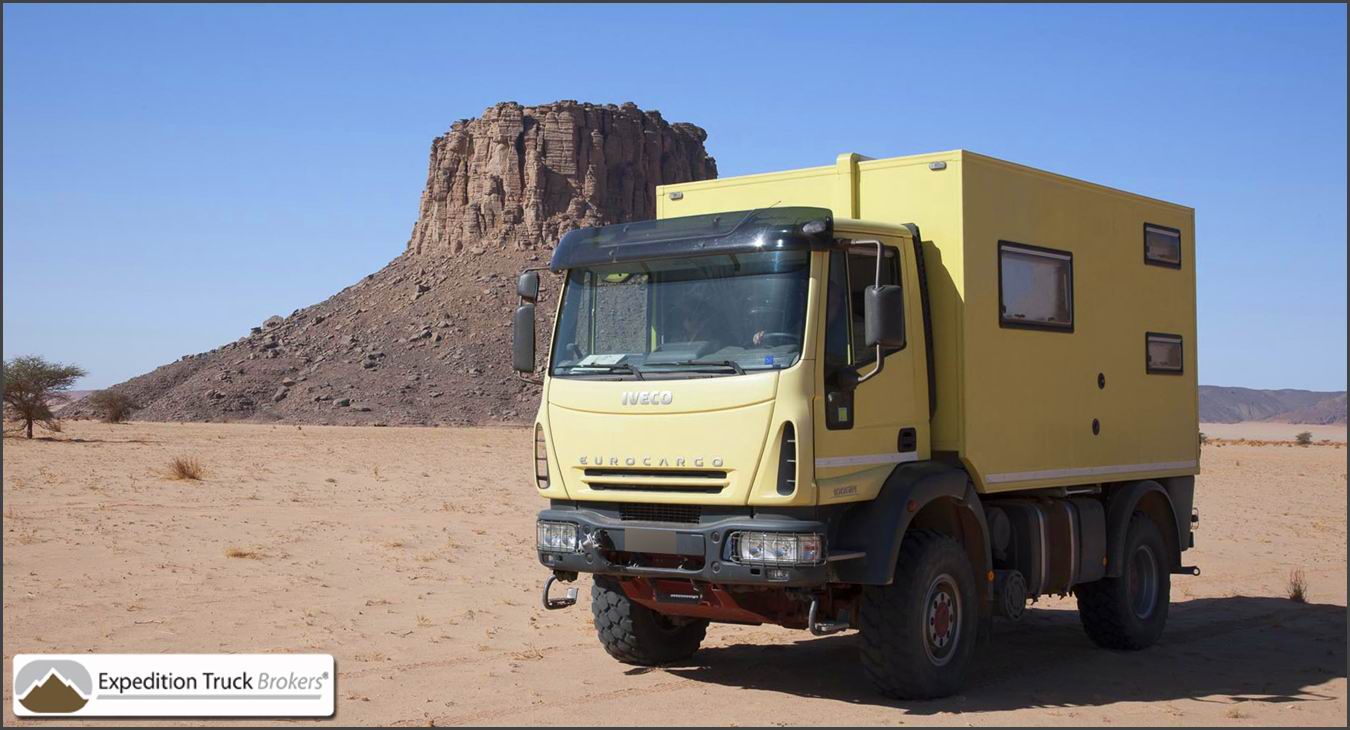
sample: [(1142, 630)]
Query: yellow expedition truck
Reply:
[(902, 396)]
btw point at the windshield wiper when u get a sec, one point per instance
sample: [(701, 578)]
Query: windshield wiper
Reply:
[(735, 366), (620, 367)]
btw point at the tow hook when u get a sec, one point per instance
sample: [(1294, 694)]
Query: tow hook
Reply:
[(822, 628), (553, 604), (1187, 570)]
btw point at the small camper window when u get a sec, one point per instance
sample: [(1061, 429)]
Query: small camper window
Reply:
[(1035, 287), (1162, 353), (1162, 246)]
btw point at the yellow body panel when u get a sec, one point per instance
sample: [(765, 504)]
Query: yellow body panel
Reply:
[(1016, 406)]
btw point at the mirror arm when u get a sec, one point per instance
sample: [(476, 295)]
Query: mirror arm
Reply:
[(881, 365)]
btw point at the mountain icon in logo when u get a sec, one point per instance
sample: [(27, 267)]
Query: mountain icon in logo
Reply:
[(53, 686)]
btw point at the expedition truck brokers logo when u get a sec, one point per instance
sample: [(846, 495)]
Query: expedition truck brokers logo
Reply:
[(53, 686), (181, 685)]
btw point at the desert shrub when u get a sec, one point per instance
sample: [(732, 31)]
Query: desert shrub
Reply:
[(185, 467), (31, 386), (1303, 438), (1298, 587), (114, 407)]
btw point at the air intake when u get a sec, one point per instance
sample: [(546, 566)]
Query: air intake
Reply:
[(787, 461), (684, 513)]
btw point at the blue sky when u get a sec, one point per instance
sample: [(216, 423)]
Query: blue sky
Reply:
[(174, 174)]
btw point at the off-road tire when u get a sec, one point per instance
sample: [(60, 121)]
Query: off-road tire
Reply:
[(895, 620), (1107, 607), (635, 634)]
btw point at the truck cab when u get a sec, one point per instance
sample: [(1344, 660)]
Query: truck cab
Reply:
[(737, 426)]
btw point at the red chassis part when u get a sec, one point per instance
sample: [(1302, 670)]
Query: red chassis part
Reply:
[(694, 599)]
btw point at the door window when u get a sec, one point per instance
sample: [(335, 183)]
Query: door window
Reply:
[(851, 272)]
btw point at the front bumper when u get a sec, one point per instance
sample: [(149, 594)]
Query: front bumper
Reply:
[(612, 546)]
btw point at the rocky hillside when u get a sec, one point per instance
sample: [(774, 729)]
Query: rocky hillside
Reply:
[(427, 338), (1230, 405)]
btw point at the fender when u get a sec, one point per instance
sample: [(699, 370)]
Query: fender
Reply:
[(1121, 507), (877, 527)]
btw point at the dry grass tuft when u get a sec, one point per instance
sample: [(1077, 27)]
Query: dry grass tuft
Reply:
[(1298, 586), (236, 552), (187, 468)]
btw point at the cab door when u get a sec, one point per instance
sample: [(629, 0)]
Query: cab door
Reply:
[(862, 433)]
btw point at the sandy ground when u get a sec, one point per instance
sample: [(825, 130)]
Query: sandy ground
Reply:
[(1266, 431), (407, 553)]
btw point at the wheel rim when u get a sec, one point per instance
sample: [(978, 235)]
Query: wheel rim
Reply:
[(1143, 582), (942, 620)]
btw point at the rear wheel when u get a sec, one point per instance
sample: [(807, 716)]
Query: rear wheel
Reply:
[(918, 633), (635, 634), (1129, 612)]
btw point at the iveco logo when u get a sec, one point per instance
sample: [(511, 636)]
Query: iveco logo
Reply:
[(647, 398)]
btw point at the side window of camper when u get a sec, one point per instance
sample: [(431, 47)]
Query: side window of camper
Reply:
[(1035, 287), (1162, 246), (1162, 353)]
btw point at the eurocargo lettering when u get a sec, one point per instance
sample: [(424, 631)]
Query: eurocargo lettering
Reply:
[(937, 386)]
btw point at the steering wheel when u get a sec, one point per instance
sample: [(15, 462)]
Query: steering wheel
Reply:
[(777, 339)]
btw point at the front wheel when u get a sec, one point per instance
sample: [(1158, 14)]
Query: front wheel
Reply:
[(1130, 612), (635, 634), (918, 633)]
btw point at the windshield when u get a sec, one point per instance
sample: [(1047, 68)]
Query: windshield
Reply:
[(701, 315)]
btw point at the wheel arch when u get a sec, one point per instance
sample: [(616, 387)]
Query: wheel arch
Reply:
[(1150, 498), (921, 495)]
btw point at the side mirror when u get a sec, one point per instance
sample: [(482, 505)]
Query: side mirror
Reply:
[(884, 317), (527, 286), (522, 336)]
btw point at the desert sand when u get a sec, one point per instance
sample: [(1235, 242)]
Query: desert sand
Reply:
[(408, 554)]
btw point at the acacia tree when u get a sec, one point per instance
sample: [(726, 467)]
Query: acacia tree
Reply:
[(31, 384)]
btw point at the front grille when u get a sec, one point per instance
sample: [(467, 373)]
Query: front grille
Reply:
[(682, 513), (631, 473), (629, 479), (663, 488)]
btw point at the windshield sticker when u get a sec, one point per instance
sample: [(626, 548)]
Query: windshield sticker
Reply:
[(601, 360)]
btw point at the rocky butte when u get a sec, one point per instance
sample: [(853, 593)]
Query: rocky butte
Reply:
[(425, 340)]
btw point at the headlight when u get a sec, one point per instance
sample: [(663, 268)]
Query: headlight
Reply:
[(540, 458), (557, 537), (778, 548)]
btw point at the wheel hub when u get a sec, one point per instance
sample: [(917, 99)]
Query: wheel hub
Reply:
[(1143, 582), (943, 620)]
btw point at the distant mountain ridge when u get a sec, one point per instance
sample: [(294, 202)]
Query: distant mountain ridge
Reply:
[(1221, 404)]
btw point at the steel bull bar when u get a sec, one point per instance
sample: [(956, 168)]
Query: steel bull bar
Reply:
[(608, 545)]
